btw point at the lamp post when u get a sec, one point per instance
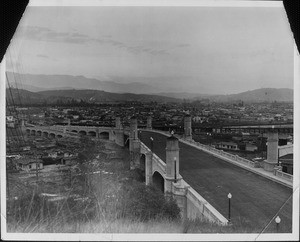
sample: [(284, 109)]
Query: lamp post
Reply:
[(277, 220), (175, 175), (229, 198), (151, 144)]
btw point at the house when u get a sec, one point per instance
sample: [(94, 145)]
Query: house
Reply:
[(251, 147), (227, 146), (29, 164)]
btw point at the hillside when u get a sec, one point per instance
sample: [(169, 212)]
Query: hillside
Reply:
[(258, 95), (92, 96), (35, 83)]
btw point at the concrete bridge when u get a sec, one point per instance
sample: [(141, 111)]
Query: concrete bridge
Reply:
[(162, 171), (116, 134), (282, 129)]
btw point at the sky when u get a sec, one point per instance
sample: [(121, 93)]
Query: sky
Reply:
[(212, 50)]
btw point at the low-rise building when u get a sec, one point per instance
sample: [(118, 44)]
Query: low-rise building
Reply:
[(227, 146), (29, 164)]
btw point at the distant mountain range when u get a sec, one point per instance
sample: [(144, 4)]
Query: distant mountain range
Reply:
[(91, 96), (258, 95), (35, 88), (37, 83)]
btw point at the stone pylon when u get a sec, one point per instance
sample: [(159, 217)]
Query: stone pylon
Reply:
[(272, 152), (119, 132), (172, 162), (118, 124), (134, 143), (188, 127), (174, 186), (149, 122)]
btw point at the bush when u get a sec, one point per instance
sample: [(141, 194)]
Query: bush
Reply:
[(35, 208), (138, 201)]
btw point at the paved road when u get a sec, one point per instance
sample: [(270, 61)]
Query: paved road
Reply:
[(255, 199)]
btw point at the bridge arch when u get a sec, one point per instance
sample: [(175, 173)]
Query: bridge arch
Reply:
[(28, 131), (39, 133), (32, 132), (104, 135), (92, 133), (158, 181), (59, 136), (45, 134), (126, 141), (52, 136), (74, 131), (82, 132)]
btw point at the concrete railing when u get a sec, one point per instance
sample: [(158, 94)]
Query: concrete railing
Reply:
[(197, 204), (283, 175), (222, 153), (160, 163)]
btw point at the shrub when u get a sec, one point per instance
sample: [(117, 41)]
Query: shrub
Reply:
[(138, 201), (35, 208)]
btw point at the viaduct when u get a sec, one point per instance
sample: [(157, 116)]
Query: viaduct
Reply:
[(165, 174)]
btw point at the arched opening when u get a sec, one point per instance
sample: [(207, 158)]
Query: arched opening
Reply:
[(28, 131), (74, 131), (126, 141), (92, 133), (39, 133), (59, 136), (45, 134), (158, 181), (82, 132), (52, 136), (32, 132), (104, 135)]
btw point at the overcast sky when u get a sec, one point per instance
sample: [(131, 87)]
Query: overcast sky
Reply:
[(214, 50)]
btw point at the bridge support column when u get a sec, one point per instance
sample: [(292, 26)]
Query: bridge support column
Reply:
[(188, 127), (148, 168), (272, 152), (133, 135), (149, 122), (118, 124), (119, 137), (134, 143)]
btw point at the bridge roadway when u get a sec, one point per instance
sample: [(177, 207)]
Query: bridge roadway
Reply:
[(255, 199)]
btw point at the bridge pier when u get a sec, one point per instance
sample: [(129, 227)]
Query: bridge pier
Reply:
[(119, 132), (149, 122), (119, 137), (148, 168), (134, 143)]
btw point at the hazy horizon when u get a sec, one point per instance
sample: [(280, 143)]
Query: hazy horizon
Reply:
[(207, 50)]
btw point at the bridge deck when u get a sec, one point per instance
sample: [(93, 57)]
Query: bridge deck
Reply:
[(255, 199)]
